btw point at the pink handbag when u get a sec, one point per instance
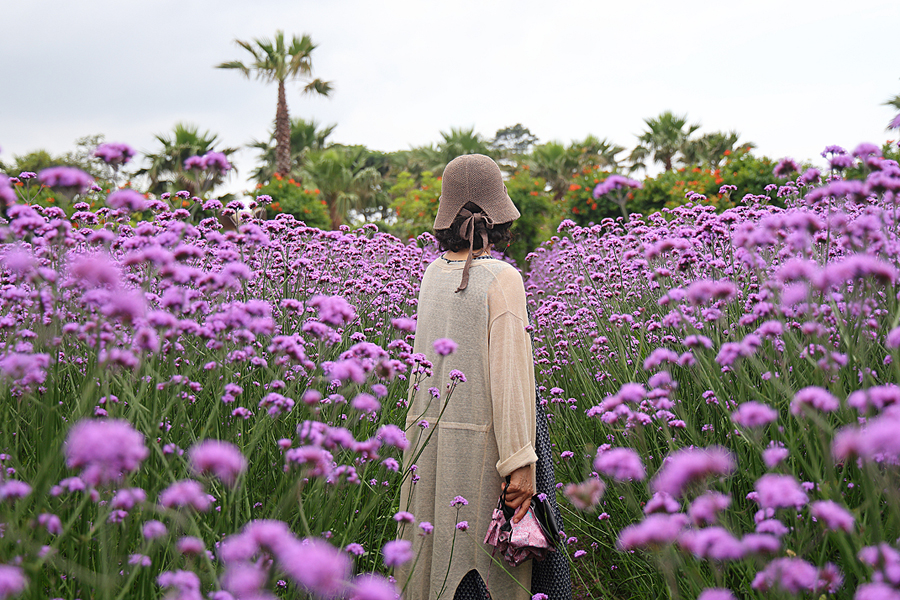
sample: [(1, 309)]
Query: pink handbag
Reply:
[(516, 542)]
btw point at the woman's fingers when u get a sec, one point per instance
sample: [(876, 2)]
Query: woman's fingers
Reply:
[(522, 510)]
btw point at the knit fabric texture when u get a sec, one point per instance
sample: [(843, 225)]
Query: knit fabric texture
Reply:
[(474, 178)]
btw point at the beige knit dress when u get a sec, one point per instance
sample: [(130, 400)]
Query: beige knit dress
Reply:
[(486, 432)]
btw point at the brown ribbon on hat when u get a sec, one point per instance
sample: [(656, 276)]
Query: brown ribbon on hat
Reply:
[(467, 232)]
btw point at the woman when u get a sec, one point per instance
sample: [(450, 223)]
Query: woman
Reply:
[(487, 430)]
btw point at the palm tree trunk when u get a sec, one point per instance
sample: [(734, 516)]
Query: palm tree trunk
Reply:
[(282, 134), (336, 217)]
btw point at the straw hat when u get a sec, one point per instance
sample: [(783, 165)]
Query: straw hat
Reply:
[(474, 178)]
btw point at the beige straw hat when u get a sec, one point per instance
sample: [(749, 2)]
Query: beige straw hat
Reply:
[(474, 178)]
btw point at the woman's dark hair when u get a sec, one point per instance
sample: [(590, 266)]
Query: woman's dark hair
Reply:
[(451, 239)]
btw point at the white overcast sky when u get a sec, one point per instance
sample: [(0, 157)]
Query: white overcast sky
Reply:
[(792, 76)]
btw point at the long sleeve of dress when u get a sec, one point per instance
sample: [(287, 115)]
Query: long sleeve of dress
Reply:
[(511, 373)]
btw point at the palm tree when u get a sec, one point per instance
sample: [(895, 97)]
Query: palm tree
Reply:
[(593, 151), (664, 138), (166, 168), (344, 181), (556, 164), (304, 134), (460, 141), (273, 60), (417, 160)]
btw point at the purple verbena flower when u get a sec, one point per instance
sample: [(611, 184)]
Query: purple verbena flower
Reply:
[(704, 510), (12, 581), (222, 459), (397, 552), (334, 310), (687, 465), (785, 167), (815, 397), (780, 491), (154, 529), (585, 495), (754, 414), (114, 153), (392, 435), (622, 464), (185, 493), (833, 515), (716, 594), (104, 450), (372, 587), (127, 199), (190, 545), (774, 455), (444, 346), (655, 530), (67, 178)]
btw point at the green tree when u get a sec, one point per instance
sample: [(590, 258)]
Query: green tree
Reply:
[(304, 134), (512, 143), (593, 151), (81, 157), (165, 168), (343, 179), (665, 136), (275, 60), (289, 197), (416, 161), (415, 203), (460, 141), (540, 215), (556, 164), (710, 149)]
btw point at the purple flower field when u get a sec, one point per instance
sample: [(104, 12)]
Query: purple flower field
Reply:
[(747, 362), (190, 412)]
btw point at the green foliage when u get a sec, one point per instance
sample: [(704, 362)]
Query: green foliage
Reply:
[(748, 173), (556, 164), (304, 134), (664, 138), (415, 203), (580, 204), (165, 168), (289, 197), (514, 141), (345, 180), (540, 214)]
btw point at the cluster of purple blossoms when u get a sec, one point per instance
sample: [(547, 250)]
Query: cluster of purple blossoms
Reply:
[(615, 182), (222, 459), (127, 199), (622, 464), (104, 450), (688, 465), (211, 161), (444, 346), (66, 178), (115, 154)]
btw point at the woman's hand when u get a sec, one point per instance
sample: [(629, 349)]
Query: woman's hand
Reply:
[(519, 491)]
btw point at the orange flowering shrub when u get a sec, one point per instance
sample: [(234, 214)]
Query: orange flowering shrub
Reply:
[(288, 196)]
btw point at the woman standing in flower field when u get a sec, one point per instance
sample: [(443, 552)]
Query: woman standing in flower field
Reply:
[(471, 325)]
